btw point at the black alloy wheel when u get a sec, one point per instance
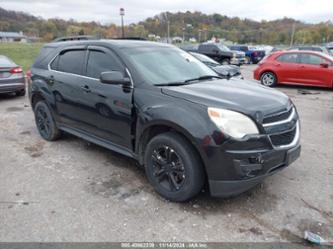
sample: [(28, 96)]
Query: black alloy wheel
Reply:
[(45, 122), (174, 167), (168, 168)]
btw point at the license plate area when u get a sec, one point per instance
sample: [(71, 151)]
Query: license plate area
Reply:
[(292, 155), (4, 75)]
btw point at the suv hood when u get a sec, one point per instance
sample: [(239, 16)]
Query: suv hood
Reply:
[(243, 96), (227, 70)]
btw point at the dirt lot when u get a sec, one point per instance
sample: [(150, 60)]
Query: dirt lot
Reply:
[(71, 190)]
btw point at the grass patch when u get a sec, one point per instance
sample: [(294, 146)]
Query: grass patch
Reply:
[(22, 54)]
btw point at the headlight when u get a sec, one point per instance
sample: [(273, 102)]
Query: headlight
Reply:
[(232, 123)]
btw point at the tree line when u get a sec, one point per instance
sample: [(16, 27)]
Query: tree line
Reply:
[(182, 24)]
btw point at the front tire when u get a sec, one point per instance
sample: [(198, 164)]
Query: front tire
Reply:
[(268, 79), (173, 167), (225, 62), (45, 123)]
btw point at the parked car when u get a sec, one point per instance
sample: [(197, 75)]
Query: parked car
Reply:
[(184, 124), (12, 78), (307, 68), (216, 51), (253, 56), (329, 47), (225, 71), (239, 58), (311, 48)]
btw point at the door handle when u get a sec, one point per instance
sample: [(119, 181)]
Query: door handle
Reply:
[(277, 65), (86, 88)]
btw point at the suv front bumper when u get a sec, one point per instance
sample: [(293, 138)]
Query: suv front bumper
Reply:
[(238, 61), (252, 168), (238, 165)]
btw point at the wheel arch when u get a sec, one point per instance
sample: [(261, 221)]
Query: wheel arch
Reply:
[(35, 98), (160, 127)]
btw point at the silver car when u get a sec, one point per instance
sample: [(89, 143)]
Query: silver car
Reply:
[(12, 78)]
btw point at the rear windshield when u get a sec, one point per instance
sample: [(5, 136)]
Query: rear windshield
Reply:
[(41, 61), (6, 62)]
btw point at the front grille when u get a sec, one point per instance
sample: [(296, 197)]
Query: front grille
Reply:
[(283, 138), (277, 117)]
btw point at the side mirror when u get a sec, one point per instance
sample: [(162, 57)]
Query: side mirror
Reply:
[(114, 78), (324, 64)]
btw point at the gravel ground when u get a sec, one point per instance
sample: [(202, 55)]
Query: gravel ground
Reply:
[(71, 190)]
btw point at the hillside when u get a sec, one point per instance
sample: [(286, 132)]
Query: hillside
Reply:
[(187, 24)]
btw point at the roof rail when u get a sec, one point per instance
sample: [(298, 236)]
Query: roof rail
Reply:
[(75, 38), (130, 38)]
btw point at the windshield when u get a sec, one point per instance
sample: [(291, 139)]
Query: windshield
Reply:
[(204, 58), (163, 65), (223, 47)]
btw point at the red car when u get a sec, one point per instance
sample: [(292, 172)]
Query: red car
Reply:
[(306, 68)]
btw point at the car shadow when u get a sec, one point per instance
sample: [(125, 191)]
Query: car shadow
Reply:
[(7, 96), (121, 178), (311, 89), (258, 199)]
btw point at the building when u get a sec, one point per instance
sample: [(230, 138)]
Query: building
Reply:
[(13, 37)]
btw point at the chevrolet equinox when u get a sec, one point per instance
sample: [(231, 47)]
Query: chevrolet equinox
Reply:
[(158, 104)]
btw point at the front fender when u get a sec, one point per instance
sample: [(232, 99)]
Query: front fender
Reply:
[(191, 120)]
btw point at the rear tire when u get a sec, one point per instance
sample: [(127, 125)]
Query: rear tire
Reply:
[(20, 93), (173, 167), (45, 122), (268, 79)]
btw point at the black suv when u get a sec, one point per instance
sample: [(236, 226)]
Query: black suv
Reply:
[(217, 51), (173, 114)]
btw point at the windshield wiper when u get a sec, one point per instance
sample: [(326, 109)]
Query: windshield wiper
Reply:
[(180, 83), (186, 82), (205, 77)]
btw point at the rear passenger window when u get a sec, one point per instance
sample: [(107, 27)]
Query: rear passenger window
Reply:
[(54, 64), (99, 62), (311, 59), (41, 61), (288, 58), (71, 61)]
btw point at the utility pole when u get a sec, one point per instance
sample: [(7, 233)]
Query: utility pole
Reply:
[(122, 13), (292, 35), (199, 35), (168, 31), (205, 30), (168, 27)]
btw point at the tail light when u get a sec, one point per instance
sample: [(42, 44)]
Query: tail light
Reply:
[(16, 70), (255, 53)]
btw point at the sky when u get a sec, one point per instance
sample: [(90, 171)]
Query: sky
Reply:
[(107, 11)]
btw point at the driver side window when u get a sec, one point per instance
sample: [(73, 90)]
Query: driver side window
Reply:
[(98, 62)]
